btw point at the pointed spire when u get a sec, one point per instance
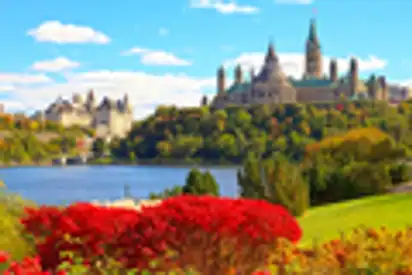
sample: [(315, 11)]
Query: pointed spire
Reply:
[(313, 35), (271, 55)]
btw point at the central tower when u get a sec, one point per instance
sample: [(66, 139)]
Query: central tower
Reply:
[(313, 53)]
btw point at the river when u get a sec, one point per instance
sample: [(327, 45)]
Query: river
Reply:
[(65, 185)]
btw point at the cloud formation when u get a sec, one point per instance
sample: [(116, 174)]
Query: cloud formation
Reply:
[(293, 64), (9, 79), (224, 7), (145, 90), (57, 32), (157, 58), (56, 65)]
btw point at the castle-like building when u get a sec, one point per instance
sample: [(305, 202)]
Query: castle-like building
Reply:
[(271, 85), (110, 118)]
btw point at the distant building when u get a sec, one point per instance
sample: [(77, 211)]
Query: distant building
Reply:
[(110, 118), (271, 85), (2, 109)]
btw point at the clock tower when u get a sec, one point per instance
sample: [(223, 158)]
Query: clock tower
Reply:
[(313, 53)]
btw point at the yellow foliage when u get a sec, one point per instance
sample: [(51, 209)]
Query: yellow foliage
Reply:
[(367, 136)]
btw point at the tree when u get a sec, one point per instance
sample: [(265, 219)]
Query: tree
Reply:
[(249, 179), (198, 183), (285, 186), (99, 147)]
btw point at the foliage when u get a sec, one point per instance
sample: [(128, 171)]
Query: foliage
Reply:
[(13, 239), (230, 134), (286, 186), (198, 183), (275, 180), (168, 192), (24, 140), (184, 231)]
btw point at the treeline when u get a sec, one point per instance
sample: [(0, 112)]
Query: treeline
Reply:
[(10, 122), (229, 135), (28, 141), (363, 162)]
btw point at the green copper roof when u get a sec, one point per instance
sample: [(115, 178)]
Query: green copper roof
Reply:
[(313, 36), (311, 82), (238, 88)]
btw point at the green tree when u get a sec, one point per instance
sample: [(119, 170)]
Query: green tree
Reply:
[(198, 183), (99, 147)]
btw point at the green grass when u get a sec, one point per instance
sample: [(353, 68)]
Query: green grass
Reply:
[(326, 222)]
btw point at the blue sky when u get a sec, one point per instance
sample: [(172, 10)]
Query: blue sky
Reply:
[(167, 51)]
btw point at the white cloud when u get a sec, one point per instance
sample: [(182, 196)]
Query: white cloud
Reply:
[(23, 79), (6, 88), (223, 6), (293, 64), (157, 58), (145, 90), (57, 32), (163, 31), (56, 65), (297, 2)]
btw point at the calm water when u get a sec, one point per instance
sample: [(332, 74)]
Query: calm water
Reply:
[(63, 185)]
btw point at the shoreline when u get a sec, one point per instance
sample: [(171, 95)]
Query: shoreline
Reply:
[(146, 163)]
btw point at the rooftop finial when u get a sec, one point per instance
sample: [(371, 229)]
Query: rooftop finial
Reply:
[(271, 51)]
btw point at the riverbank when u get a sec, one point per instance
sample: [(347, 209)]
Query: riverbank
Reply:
[(147, 162)]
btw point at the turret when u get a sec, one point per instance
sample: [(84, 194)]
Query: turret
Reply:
[(90, 101), (333, 70), (373, 88), (238, 75), (313, 53), (271, 55), (252, 74), (221, 80), (354, 75), (384, 87)]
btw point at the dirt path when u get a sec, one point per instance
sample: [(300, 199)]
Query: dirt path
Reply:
[(403, 188)]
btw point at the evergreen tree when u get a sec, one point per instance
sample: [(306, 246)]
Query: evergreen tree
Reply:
[(198, 183), (210, 184), (286, 186), (249, 179)]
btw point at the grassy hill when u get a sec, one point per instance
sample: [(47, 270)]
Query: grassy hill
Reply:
[(326, 222)]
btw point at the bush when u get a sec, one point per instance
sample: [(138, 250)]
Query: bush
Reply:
[(208, 233), (13, 239), (198, 183)]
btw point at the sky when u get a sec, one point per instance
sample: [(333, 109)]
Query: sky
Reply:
[(164, 52)]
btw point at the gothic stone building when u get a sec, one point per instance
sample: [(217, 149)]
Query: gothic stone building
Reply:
[(110, 118), (271, 85)]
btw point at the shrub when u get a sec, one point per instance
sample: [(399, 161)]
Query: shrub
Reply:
[(88, 230), (208, 233), (13, 239), (198, 183)]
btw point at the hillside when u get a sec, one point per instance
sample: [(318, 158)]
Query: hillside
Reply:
[(326, 222)]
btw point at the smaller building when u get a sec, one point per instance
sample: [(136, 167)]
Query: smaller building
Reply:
[(110, 118)]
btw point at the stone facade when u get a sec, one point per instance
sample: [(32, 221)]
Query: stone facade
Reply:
[(271, 85), (110, 118)]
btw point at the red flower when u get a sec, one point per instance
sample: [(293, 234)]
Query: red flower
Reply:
[(4, 257)]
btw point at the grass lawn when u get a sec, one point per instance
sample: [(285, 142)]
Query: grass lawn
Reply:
[(326, 222)]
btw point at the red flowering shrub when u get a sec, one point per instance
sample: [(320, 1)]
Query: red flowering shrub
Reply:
[(85, 229), (209, 233), (29, 266)]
